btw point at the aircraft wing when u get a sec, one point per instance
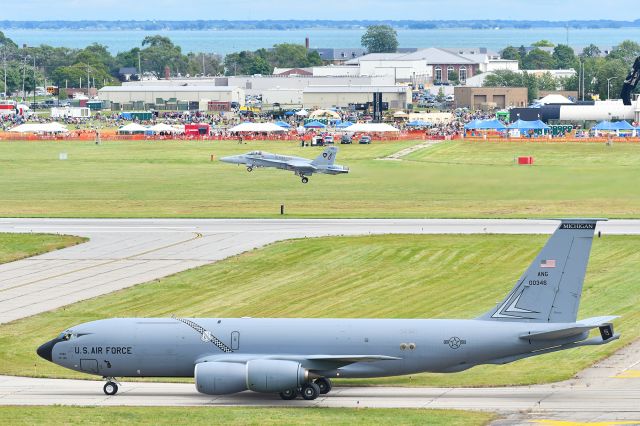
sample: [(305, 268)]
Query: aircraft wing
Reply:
[(570, 329), (310, 361), (301, 166)]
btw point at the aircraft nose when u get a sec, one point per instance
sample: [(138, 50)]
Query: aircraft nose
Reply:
[(233, 159), (45, 350)]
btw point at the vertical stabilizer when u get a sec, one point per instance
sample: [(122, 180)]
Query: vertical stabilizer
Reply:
[(327, 158), (550, 289)]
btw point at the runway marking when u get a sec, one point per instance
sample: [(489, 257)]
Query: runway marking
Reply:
[(628, 374), (568, 423)]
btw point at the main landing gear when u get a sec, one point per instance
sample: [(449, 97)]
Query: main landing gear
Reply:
[(308, 391), (249, 168), (305, 179), (111, 387)]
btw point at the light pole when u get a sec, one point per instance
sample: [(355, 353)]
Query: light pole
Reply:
[(4, 60), (24, 76), (608, 85)]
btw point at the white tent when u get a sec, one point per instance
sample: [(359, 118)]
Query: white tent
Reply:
[(257, 128), (371, 128), (552, 98), (40, 128), (324, 113), (302, 113), (162, 127), (132, 128)]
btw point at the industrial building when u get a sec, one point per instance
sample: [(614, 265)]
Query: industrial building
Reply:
[(171, 93), (487, 98), (397, 97)]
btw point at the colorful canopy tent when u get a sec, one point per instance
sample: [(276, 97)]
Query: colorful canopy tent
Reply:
[(302, 113), (528, 125), (314, 125), (324, 113), (257, 128), (132, 129), (418, 123), (623, 125), (371, 128), (605, 125), (344, 125), (472, 124), (283, 124), (163, 128), (289, 113), (40, 128)]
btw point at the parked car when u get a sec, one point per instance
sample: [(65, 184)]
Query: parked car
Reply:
[(328, 139), (365, 140), (345, 139)]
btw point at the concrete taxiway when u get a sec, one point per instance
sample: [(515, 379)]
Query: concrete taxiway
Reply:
[(123, 253)]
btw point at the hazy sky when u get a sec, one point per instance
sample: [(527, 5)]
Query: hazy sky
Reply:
[(318, 9)]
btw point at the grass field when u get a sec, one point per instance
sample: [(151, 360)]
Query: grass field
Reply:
[(19, 246), (57, 415), (452, 179), (417, 276)]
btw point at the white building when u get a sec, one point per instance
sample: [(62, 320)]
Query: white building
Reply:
[(324, 97), (149, 93)]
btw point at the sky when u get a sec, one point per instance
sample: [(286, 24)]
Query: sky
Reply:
[(24, 10)]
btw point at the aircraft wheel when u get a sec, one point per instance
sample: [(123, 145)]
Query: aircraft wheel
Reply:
[(249, 169), (310, 391), (289, 394), (305, 179), (324, 384), (110, 388)]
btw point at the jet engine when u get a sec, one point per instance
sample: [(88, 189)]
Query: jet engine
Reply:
[(271, 375), (220, 378)]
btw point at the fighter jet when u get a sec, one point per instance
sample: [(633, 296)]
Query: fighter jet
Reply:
[(295, 357), (302, 167)]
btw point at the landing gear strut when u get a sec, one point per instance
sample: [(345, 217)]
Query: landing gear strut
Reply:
[(111, 387)]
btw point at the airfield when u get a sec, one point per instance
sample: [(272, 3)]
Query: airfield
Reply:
[(180, 184)]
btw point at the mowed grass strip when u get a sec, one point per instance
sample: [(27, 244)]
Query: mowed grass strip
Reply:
[(391, 276), (19, 246), (57, 415), (450, 179)]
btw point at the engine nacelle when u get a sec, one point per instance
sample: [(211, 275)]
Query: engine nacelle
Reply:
[(220, 378), (271, 375)]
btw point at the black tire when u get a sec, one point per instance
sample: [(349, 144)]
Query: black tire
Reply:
[(305, 179), (110, 388), (310, 391), (249, 169), (289, 394), (324, 384)]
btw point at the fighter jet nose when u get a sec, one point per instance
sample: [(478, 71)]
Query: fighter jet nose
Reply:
[(227, 159), (45, 350)]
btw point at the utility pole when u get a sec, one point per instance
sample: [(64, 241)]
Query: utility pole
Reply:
[(34, 80), (88, 81), (24, 76), (4, 58), (203, 68), (139, 66)]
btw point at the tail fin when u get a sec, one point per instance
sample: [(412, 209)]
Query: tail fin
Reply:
[(327, 157), (550, 289)]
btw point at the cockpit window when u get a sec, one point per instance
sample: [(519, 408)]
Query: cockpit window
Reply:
[(67, 336), (255, 153)]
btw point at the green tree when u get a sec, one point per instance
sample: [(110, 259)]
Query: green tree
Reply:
[(627, 51), (591, 51), (564, 57), (247, 63), (74, 74), (613, 69), (543, 43), (212, 64), (547, 82), (380, 39), (453, 78), (440, 96), (159, 52), (287, 55), (504, 78), (538, 59), (511, 53)]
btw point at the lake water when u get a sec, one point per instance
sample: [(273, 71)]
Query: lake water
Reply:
[(226, 41)]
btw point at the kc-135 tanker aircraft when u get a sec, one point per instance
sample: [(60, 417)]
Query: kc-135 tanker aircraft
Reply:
[(300, 356), (302, 167)]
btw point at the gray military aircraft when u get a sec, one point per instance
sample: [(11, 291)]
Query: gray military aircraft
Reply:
[(300, 356), (302, 167)]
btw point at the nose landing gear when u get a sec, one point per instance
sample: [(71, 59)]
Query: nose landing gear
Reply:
[(111, 387), (305, 179)]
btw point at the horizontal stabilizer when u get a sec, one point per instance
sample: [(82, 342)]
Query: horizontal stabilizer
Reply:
[(570, 329)]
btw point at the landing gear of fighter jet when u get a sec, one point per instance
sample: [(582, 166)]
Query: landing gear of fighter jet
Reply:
[(111, 387), (305, 179), (310, 391), (289, 394), (324, 384), (249, 168)]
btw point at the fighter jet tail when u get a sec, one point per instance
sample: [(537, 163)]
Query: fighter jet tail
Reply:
[(327, 158), (550, 289)]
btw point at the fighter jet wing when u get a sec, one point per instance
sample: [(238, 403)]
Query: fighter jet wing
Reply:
[(569, 330), (301, 166)]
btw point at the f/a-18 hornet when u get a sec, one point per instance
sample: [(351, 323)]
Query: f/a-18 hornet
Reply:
[(300, 356), (303, 167)]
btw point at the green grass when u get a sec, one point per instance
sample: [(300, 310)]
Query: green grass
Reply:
[(409, 276), (56, 415), (452, 179), (18, 246)]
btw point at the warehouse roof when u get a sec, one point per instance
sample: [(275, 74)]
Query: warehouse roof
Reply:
[(355, 89), (167, 88)]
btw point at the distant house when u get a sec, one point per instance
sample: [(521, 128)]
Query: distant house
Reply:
[(338, 56), (126, 73), (292, 71)]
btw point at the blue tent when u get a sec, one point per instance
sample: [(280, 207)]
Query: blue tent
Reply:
[(472, 124), (344, 124), (289, 113), (605, 125), (528, 125), (623, 125), (490, 125), (283, 124), (314, 125), (418, 123)]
